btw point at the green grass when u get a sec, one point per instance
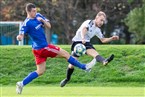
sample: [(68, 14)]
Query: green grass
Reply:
[(73, 91), (127, 69)]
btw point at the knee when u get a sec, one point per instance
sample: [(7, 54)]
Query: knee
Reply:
[(40, 72), (70, 66), (65, 54)]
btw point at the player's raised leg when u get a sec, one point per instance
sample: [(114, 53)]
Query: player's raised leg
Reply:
[(99, 58), (75, 62)]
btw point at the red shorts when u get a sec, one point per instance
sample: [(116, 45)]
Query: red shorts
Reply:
[(42, 54)]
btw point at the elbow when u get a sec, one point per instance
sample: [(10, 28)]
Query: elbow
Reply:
[(49, 26), (103, 41)]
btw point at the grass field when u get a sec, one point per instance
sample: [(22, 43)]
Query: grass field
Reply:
[(124, 77), (73, 91), (128, 66)]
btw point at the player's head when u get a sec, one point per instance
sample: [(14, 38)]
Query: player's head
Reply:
[(31, 10), (100, 19)]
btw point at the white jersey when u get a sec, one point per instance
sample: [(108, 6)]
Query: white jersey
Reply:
[(92, 31)]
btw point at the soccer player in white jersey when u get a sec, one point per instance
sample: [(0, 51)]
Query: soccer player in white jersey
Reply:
[(86, 31), (34, 26)]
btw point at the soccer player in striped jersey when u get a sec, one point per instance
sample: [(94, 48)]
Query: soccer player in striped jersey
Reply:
[(34, 26), (86, 31)]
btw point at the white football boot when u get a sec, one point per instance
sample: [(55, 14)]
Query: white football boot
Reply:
[(19, 87), (90, 65)]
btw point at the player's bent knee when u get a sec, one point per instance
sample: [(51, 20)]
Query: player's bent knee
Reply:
[(64, 54), (40, 72), (70, 66)]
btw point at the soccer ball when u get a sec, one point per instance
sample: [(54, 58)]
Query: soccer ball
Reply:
[(79, 49)]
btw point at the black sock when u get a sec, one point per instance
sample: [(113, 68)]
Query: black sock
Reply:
[(69, 73), (99, 58)]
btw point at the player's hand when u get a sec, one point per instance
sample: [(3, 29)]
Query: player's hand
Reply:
[(83, 41), (115, 37), (19, 37), (40, 19)]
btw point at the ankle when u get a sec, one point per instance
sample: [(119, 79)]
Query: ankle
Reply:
[(105, 62)]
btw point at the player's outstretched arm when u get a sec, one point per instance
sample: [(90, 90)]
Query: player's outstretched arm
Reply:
[(106, 40)]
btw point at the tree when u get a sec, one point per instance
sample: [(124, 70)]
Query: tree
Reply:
[(67, 15), (136, 22)]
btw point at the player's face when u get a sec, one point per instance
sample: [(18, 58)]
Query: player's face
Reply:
[(100, 20), (33, 12)]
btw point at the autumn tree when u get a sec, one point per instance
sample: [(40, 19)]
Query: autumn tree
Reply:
[(67, 15)]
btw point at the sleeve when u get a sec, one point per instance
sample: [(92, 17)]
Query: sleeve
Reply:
[(24, 28), (86, 23), (40, 15), (99, 34)]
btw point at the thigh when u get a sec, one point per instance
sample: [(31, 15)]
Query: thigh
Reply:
[(50, 51), (38, 58), (42, 54), (63, 53), (92, 52), (88, 45)]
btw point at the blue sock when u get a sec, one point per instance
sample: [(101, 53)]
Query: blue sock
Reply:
[(30, 77), (76, 63)]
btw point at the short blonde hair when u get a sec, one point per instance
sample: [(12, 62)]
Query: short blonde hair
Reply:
[(100, 13)]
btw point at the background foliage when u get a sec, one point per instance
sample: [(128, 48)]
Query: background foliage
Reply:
[(136, 22), (67, 15)]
